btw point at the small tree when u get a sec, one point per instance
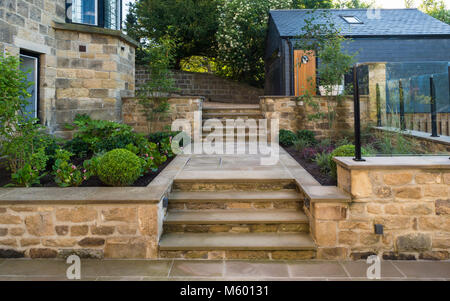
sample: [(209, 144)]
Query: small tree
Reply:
[(19, 132), (153, 95), (322, 37)]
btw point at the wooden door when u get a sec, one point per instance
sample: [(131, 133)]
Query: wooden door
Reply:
[(304, 72)]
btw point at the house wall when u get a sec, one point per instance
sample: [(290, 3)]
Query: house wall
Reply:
[(71, 81)]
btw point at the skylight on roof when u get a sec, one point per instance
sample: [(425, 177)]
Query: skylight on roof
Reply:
[(352, 20)]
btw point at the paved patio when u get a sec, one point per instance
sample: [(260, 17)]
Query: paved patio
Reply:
[(194, 270)]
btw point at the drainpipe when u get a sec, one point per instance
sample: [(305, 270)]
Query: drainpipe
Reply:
[(291, 67)]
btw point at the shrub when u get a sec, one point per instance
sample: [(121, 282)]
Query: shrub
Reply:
[(323, 161), (78, 147), (287, 137), (18, 129), (343, 151), (309, 153), (308, 136), (94, 132), (119, 167), (67, 174), (158, 137), (31, 172), (301, 144)]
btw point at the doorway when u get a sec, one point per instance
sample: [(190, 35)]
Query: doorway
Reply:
[(304, 72)]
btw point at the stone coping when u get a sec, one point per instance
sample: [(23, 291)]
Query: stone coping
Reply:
[(96, 30), (151, 194), (324, 194), (400, 162), (416, 134), (170, 97)]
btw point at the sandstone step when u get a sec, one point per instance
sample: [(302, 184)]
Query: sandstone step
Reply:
[(244, 116), (250, 196), (207, 181), (236, 241), (236, 216), (234, 221), (229, 200), (251, 110)]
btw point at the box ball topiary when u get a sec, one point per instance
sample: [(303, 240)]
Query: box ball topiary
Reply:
[(119, 167), (347, 150)]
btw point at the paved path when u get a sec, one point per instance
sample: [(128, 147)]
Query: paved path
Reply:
[(161, 270)]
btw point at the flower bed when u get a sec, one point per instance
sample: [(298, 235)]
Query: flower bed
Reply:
[(317, 156), (102, 153)]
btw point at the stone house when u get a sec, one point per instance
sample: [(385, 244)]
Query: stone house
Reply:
[(78, 57)]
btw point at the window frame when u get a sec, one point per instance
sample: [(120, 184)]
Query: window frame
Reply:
[(99, 14), (344, 17)]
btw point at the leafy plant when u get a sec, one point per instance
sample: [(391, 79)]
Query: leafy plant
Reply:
[(119, 167), (301, 144), (323, 161), (94, 132), (18, 130), (153, 95), (307, 135), (67, 174), (32, 171), (287, 137)]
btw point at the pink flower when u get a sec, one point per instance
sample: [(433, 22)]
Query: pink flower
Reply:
[(151, 158), (84, 170), (71, 174), (74, 167), (146, 155), (59, 170), (84, 178)]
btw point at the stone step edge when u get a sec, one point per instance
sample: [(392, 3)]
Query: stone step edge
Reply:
[(301, 217), (233, 196), (205, 246)]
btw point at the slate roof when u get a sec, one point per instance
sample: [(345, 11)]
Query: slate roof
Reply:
[(392, 22)]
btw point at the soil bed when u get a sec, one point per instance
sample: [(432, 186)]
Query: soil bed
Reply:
[(48, 181), (312, 168)]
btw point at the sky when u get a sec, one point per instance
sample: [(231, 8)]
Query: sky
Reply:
[(380, 3)]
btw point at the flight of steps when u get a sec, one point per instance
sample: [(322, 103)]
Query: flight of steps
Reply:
[(235, 219), (226, 111)]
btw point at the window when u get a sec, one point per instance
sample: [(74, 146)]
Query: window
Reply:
[(85, 11), (352, 20), (102, 13)]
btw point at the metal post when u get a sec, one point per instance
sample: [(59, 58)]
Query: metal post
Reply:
[(378, 106), (433, 109), (402, 106), (357, 116)]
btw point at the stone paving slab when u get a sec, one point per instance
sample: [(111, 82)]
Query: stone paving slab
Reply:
[(220, 270)]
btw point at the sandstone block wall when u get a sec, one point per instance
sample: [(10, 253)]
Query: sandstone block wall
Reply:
[(412, 204), (295, 114), (180, 108), (90, 231), (212, 87)]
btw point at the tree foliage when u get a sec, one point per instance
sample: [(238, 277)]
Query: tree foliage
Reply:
[(437, 9), (191, 24)]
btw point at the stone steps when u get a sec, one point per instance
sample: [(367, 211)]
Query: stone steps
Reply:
[(237, 245)]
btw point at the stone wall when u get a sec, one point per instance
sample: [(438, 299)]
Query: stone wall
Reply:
[(93, 72), (83, 69), (180, 108), (92, 231), (408, 196), (212, 87), (294, 114)]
